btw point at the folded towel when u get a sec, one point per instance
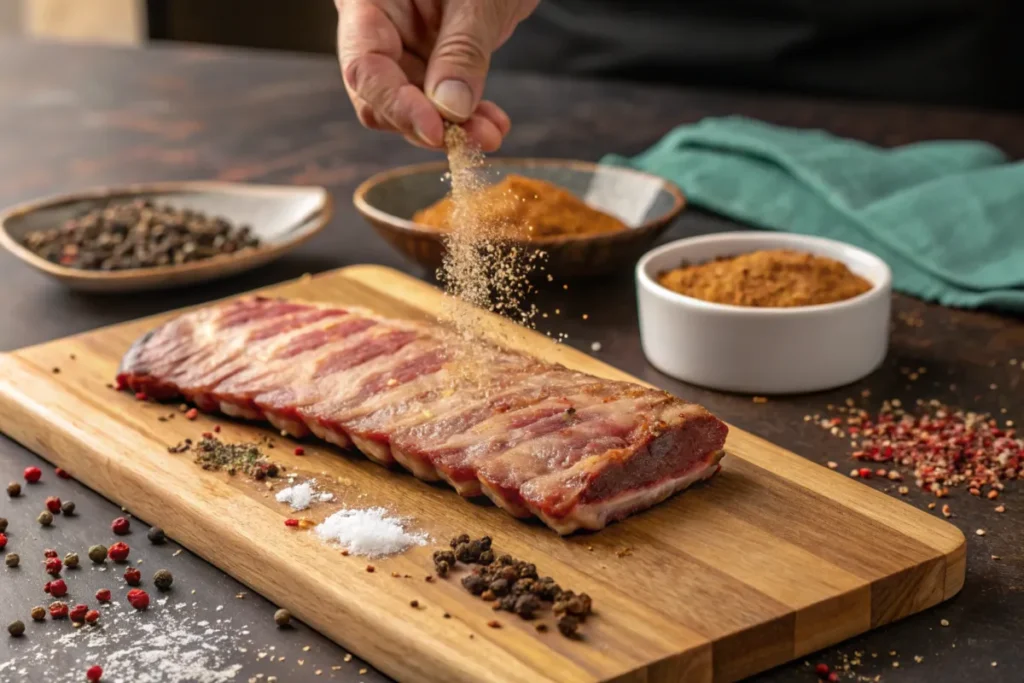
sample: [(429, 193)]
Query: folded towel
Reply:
[(948, 217)]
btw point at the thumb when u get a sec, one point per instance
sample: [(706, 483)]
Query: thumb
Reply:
[(470, 31)]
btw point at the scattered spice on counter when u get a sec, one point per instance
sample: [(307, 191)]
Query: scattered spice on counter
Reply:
[(12, 559), (45, 518), (138, 598), (118, 552), (57, 588), (38, 613), (156, 536), (103, 595), (98, 553), (776, 278), (524, 208), (121, 526), (163, 580), (58, 610), (50, 552), (77, 613), (370, 532), (942, 446), (32, 474), (283, 618), (71, 560), (14, 489), (16, 628), (138, 234), (132, 576), (60, 471), (53, 504), (68, 508)]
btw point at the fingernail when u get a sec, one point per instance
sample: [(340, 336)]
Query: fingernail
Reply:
[(454, 100), (424, 138)]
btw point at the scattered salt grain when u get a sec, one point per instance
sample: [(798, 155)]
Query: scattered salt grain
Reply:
[(301, 496), (369, 533)]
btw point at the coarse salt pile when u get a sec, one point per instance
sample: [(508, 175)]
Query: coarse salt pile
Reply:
[(369, 532), (301, 496)]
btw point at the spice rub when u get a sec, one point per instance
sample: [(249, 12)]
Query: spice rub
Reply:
[(776, 278), (138, 234), (537, 210)]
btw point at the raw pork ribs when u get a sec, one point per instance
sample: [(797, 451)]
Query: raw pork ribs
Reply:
[(538, 439)]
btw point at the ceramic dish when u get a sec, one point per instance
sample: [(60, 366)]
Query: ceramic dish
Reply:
[(646, 203), (281, 216), (762, 350)]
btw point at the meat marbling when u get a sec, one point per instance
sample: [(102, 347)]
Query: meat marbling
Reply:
[(538, 439)]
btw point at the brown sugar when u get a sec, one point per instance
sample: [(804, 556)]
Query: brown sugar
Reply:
[(537, 210), (767, 279)]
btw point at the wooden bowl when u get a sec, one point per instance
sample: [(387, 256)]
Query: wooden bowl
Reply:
[(283, 217), (646, 203)]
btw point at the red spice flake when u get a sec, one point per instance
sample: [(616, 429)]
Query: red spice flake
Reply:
[(103, 595), (3, 541), (77, 613), (53, 566), (58, 610), (138, 598), (94, 673), (92, 616), (494, 623), (53, 504), (191, 414), (57, 588), (120, 526), (291, 522), (370, 568), (216, 428), (62, 473), (49, 552), (140, 396), (299, 450), (207, 435), (118, 552), (864, 473), (32, 474), (942, 447), (132, 576)]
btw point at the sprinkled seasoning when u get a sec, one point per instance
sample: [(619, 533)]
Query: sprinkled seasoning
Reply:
[(213, 454)]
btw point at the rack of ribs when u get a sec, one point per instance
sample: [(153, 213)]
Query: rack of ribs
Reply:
[(537, 438)]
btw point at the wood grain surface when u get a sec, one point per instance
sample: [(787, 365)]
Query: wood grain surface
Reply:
[(774, 558)]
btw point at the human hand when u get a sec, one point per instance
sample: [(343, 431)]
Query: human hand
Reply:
[(408, 63)]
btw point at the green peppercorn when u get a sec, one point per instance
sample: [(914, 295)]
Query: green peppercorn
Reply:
[(163, 580), (68, 508), (39, 613), (16, 628), (14, 489), (71, 560), (283, 618), (45, 518), (156, 536), (98, 554), (3, 524), (12, 560)]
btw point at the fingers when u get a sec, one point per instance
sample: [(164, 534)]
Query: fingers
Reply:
[(458, 64), (370, 52)]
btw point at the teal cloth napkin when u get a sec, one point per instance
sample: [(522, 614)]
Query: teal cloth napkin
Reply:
[(948, 217)]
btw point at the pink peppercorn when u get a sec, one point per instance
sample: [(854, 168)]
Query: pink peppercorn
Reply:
[(57, 588), (53, 566), (62, 473), (49, 552), (192, 414), (3, 541), (118, 552), (132, 576), (138, 598), (94, 673), (77, 613), (299, 450), (32, 474), (822, 670), (92, 616), (53, 504), (121, 526)]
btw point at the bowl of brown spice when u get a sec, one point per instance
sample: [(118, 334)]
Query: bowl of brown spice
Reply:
[(161, 235), (764, 312), (584, 218)]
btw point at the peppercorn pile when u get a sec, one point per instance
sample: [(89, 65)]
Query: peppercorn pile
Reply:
[(512, 585), (213, 454), (943, 447), (138, 234)]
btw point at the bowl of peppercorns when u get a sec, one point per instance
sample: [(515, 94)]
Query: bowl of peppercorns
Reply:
[(162, 235)]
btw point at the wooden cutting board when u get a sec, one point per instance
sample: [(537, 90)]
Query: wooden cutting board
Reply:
[(776, 557)]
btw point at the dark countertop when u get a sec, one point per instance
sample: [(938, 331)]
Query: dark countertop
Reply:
[(81, 116)]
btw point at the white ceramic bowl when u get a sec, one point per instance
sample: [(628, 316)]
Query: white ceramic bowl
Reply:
[(762, 350)]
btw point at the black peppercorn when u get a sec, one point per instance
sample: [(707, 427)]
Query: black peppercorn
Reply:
[(68, 508), (568, 625), (461, 538), (474, 584), (163, 580), (12, 560), (16, 628), (526, 605), (156, 535), (3, 524), (499, 587), (283, 618), (486, 557), (14, 489)]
